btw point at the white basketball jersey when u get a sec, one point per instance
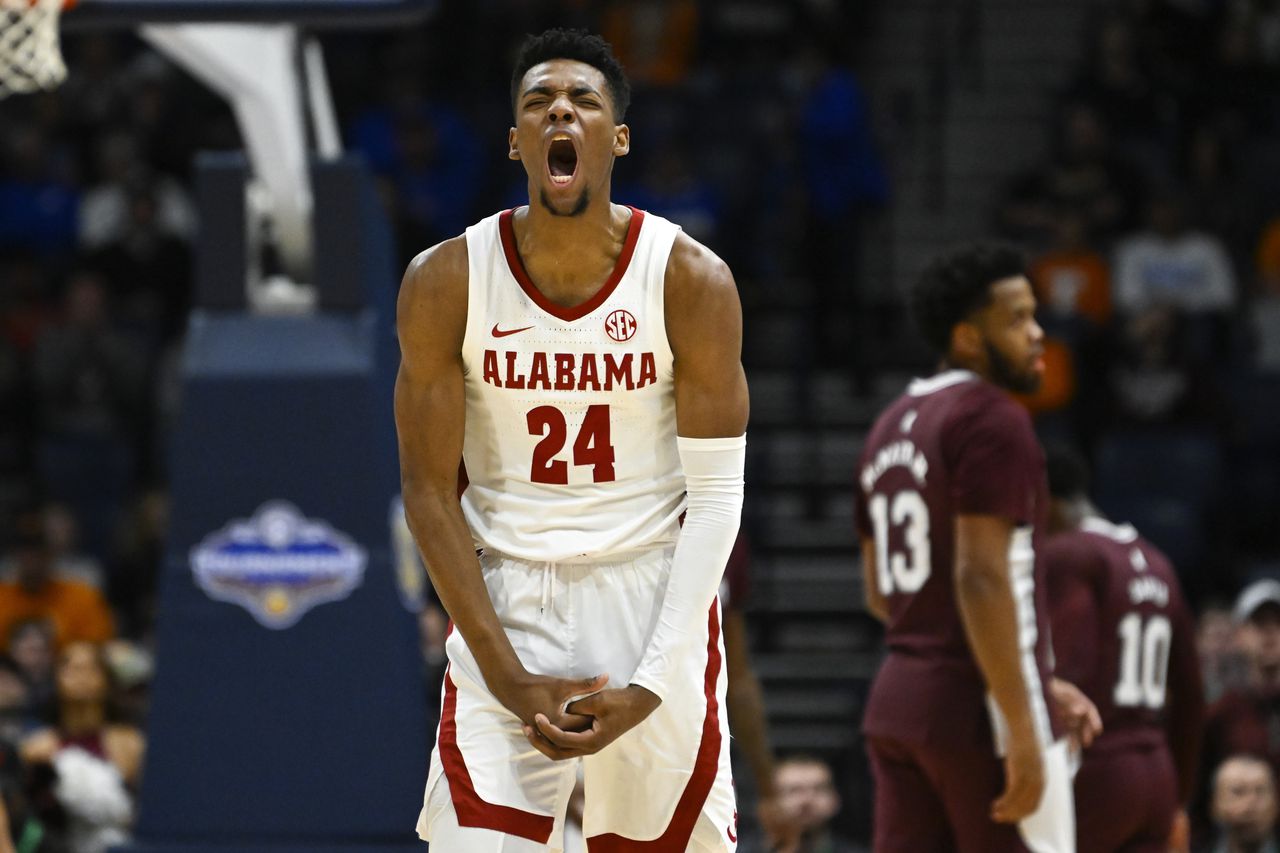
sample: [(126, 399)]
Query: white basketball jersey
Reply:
[(570, 444)]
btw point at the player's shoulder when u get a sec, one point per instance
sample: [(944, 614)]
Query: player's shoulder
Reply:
[(435, 275), (701, 297), (1074, 550), (695, 273), (961, 405), (988, 401), (439, 268)]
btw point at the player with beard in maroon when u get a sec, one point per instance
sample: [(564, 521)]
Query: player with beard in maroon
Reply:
[(960, 724), (1123, 633)]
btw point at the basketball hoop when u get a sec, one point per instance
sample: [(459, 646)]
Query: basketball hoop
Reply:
[(30, 55)]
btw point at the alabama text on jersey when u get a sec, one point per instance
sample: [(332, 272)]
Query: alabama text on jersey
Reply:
[(570, 445)]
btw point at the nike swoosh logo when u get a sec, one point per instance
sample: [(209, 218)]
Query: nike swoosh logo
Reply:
[(502, 333)]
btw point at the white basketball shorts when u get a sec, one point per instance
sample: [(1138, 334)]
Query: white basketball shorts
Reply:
[(663, 787)]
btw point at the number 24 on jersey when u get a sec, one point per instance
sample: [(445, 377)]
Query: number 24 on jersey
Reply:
[(591, 447)]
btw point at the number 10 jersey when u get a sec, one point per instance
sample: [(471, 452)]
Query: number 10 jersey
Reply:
[(570, 446)]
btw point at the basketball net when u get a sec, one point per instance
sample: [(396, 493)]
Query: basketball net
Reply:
[(30, 55)]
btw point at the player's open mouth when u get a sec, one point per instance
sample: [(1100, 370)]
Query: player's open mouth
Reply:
[(562, 160)]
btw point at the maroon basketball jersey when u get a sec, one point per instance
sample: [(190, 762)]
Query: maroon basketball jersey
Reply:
[(953, 444), (1122, 633)]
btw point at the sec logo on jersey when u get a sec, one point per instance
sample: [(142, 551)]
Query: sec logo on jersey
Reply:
[(620, 325)]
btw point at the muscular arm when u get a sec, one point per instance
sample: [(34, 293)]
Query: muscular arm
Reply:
[(877, 606), (986, 601), (430, 413), (704, 327), (430, 417)]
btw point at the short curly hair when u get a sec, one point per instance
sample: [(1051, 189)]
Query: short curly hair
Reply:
[(580, 46), (957, 283)]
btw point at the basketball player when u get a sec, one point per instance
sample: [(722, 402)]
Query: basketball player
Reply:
[(1122, 632), (583, 359), (952, 493)]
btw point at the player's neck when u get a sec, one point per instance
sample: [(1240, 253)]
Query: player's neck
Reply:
[(543, 230), (952, 362), (570, 251)]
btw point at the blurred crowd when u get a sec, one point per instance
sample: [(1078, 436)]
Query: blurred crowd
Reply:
[(1154, 229), (1153, 225)]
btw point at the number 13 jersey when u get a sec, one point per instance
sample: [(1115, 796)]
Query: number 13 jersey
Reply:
[(952, 445), (570, 446)]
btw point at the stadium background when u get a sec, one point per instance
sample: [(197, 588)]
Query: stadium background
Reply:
[(825, 150)]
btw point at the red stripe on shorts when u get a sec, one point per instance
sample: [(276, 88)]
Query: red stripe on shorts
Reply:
[(705, 767), (470, 808)]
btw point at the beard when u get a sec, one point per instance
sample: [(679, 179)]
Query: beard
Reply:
[(578, 207), (1006, 375)]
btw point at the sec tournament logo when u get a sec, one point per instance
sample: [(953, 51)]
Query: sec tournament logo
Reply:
[(620, 325), (278, 564)]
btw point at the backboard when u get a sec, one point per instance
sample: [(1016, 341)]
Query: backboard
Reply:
[(324, 14)]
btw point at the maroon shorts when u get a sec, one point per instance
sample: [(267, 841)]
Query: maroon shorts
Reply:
[(1126, 801), (939, 800)]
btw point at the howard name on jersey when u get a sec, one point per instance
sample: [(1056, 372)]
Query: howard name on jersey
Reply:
[(570, 444)]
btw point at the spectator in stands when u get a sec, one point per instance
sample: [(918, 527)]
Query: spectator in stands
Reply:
[(1071, 279), (89, 378), (1116, 83), (1218, 197), (98, 761), (1247, 719), (62, 530), (428, 154), (37, 204), (845, 182), (808, 793), (105, 215), (1085, 173), (135, 572), (25, 310), (1223, 664), (1171, 264), (1244, 806), (1264, 307), (15, 706), (671, 186), (653, 39), (31, 646), (1150, 379), (77, 611), (1268, 257), (90, 386), (147, 268)]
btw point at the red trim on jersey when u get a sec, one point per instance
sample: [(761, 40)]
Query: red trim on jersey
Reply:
[(581, 310), (705, 767), (470, 808)]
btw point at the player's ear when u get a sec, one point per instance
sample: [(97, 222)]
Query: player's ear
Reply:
[(621, 140), (513, 152), (966, 340)]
